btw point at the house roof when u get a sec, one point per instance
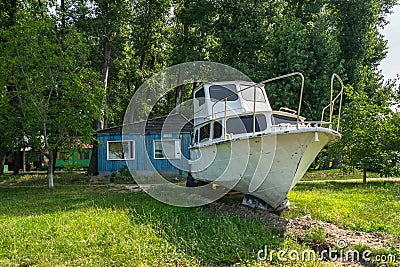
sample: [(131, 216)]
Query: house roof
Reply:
[(170, 124)]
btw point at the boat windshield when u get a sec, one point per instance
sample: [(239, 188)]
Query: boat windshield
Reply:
[(220, 92), (248, 93), (244, 124), (280, 119)]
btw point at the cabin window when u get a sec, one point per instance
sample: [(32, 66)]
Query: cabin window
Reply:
[(279, 119), (205, 133), (83, 155), (196, 137), (220, 92), (248, 93), (217, 130), (244, 124), (167, 149), (121, 150), (200, 96)]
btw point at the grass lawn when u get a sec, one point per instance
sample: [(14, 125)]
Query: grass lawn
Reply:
[(373, 207), (82, 225), (93, 226)]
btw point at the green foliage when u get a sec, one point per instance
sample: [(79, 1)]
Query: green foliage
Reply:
[(49, 84), (344, 173), (370, 133), (55, 53), (123, 176)]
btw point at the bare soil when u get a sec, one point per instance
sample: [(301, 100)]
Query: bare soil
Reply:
[(335, 237)]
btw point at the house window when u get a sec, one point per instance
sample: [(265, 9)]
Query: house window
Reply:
[(120, 150), (167, 149), (63, 155), (84, 155)]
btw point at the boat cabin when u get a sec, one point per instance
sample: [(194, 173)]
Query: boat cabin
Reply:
[(237, 108)]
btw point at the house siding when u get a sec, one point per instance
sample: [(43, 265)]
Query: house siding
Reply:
[(144, 162)]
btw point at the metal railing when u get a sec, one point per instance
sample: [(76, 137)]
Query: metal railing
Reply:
[(255, 86), (332, 102), (301, 91)]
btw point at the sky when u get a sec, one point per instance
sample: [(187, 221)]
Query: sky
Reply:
[(391, 64)]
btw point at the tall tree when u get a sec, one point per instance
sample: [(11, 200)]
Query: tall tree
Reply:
[(362, 46), (370, 133), (57, 92), (8, 12)]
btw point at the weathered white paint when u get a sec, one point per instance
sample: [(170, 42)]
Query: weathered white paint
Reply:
[(266, 164), (254, 159)]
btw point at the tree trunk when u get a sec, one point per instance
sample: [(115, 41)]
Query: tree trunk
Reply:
[(365, 175), (178, 90), (104, 78), (17, 162), (93, 164), (50, 170), (3, 154), (100, 125)]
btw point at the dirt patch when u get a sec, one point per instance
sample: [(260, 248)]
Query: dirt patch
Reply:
[(299, 228), (125, 188)]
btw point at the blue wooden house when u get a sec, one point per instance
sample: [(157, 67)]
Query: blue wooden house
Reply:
[(162, 147)]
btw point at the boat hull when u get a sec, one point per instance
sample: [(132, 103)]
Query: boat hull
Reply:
[(266, 166)]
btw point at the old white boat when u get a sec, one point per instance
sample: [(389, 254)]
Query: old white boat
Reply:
[(239, 142)]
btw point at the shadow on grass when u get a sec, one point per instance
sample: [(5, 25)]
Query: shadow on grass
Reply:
[(194, 232), (40, 179)]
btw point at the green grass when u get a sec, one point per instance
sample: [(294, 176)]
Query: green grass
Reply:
[(91, 225), (373, 207)]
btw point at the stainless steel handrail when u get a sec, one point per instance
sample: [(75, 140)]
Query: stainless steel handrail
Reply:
[(332, 102), (254, 97), (301, 91)]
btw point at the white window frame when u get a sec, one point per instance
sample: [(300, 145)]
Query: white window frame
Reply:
[(131, 147), (177, 147)]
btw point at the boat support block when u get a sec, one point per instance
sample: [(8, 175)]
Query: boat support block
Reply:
[(257, 203), (191, 182)]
